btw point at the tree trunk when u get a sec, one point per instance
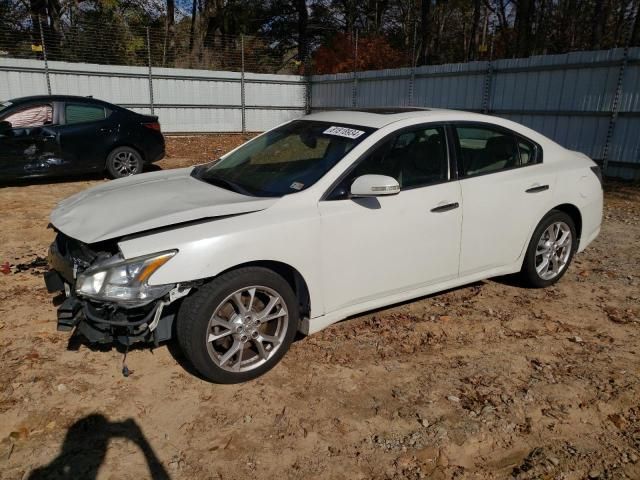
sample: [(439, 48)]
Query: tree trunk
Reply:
[(212, 12), (634, 39), (471, 54), (171, 32), (192, 30), (425, 32), (303, 20), (597, 25), (525, 13)]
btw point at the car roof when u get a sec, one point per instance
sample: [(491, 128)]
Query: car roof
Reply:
[(59, 98), (380, 117)]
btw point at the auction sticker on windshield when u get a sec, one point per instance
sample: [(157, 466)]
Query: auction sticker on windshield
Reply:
[(343, 132)]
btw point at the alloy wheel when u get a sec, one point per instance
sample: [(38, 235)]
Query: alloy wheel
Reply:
[(125, 163), (247, 328), (553, 250)]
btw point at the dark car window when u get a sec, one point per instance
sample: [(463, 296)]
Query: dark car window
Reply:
[(31, 116), (528, 152), (77, 113), (485, 149), (415, 158)]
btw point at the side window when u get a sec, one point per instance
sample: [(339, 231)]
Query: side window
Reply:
[(77, 113), (32, 116), (486, 150), (528, 152), (414, 158)]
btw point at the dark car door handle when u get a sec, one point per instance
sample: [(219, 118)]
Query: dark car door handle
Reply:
[(445, 208), (536, 189)]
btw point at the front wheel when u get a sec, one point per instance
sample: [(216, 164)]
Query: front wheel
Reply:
[(551, 249), (124, 162), (239, 325)]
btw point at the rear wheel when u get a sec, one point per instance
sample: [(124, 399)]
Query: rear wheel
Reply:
[(238, 326), (551, 249), (124, 162)]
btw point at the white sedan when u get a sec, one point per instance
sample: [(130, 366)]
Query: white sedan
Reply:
[(316, 220)]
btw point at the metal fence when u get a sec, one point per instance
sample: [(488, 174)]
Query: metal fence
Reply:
[(586, 101), (186, 101), (228, 84)]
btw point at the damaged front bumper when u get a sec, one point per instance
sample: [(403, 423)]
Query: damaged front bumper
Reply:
[(105, 322)]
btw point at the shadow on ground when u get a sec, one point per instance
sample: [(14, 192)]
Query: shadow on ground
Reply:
[(85, 447)]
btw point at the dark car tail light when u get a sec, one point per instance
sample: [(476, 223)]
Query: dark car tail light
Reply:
[(152, 125), (597, 172)]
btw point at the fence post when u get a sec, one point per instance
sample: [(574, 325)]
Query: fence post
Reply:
[(615, 108), (44, 56), (486, 94), (150, 73), (242, 91), (354, 89)]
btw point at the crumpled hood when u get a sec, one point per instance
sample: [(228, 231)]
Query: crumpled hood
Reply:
[(144, 202)]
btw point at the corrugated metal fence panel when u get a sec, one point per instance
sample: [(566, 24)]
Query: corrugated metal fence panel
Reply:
[(184, 100), (329, 91), (458, 85), (30, 80), (567, 97)]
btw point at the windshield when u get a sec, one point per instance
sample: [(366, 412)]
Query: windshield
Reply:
[(285, 160)]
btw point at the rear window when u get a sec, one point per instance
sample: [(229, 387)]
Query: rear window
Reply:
[(75, 113)]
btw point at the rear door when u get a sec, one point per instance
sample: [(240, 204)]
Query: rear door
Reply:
[(86, 134), (506, 190)]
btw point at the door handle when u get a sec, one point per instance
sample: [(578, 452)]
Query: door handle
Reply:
[(445, 208), (537, 188)]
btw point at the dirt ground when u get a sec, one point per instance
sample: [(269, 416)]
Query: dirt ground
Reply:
[(486, 381)]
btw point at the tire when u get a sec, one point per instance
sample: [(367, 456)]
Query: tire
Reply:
[(235, 346), (558, 252), (124, 162)]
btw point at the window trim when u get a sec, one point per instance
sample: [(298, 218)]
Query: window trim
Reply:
[(451, 167), (538, 152), (66, 104)]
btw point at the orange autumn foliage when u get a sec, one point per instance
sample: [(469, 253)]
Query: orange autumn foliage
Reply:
[(374, 53)]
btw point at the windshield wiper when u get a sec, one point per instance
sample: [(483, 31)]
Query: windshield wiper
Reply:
[(221, 182)]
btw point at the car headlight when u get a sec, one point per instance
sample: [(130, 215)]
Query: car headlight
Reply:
[(124, 281)]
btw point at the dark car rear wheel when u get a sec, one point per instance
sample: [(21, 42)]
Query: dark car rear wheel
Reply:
[(124, 162)]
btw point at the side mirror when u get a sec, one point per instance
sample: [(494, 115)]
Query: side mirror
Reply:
[(5, 126), (374, 186)]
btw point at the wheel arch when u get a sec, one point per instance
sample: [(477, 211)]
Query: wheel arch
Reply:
[(293, 277), (574, 213)]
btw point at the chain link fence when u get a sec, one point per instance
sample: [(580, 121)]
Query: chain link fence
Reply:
[(139, 45), (221, 83)]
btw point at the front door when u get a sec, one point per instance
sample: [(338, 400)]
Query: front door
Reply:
[(26, 147), (381, 246)]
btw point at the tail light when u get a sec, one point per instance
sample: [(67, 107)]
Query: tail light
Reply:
[(152, 125), (597, 172)]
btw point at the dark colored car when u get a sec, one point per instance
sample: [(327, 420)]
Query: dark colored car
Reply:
[(66, 135)]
